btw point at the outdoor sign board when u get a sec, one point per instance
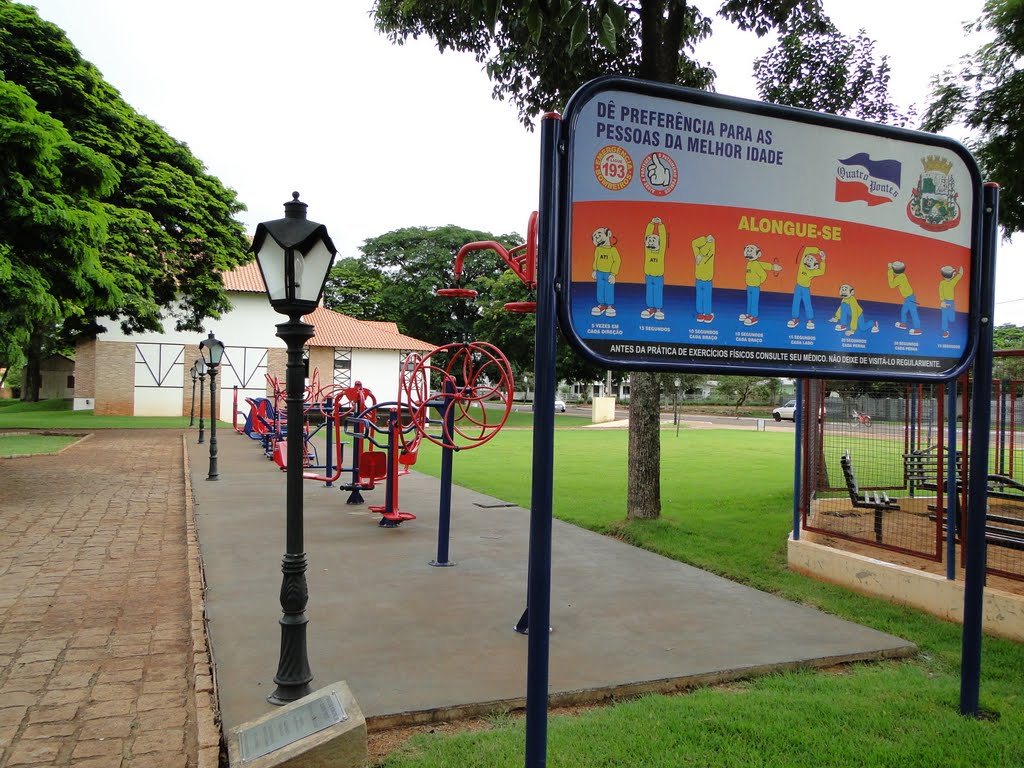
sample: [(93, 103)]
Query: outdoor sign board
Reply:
[(717, 234)]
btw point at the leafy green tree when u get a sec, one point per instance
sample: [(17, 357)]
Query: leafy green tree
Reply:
[(740, 389), (356, 289), (986, 96), (511, 332), (166, 226), (824, 70), (1005, 338), (51, 230), (538, 52), (416, 261)]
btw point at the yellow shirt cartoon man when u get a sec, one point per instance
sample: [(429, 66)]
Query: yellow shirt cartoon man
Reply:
[(849, 313), (704, 273), (908, 311), (755, 275), (654, 269), (950, 278), (812, 265), (606, 266)]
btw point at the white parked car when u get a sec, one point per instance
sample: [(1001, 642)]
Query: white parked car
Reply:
[(560, 404), (788, 412)]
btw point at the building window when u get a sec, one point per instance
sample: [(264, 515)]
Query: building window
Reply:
[(305, 363), (343, 367), (71, 381)]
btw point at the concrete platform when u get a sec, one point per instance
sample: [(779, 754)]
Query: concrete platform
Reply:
[(417, 643)]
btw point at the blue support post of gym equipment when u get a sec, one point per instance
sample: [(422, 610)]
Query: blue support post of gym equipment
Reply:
[(389, 486), (328, 410), (538, 599), (445, 501), (977, 485)]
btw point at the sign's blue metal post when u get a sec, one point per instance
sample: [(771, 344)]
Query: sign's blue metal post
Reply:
[(952, 484), (977, 483), (798, 440), (538, 593)]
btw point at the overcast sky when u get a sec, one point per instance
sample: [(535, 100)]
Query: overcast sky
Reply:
[(274, 97)]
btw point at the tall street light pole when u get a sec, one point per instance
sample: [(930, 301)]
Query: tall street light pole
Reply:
[(200, 367), (294, 256), (212, 351), (192, 409)]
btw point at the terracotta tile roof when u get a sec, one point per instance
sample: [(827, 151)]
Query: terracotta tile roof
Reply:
[(333, 329), (245, 279)]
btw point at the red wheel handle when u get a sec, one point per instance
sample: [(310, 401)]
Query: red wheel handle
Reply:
[(523, 307), (457, 293)]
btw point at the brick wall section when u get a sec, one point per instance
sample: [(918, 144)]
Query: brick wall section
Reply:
[(85, 369), (322, 359), (115, 378), (277, 361), (190, 355)]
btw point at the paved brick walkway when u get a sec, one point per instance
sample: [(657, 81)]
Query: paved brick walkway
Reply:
[(98, 649)]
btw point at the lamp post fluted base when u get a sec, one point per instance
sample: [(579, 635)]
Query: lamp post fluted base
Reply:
[(293, 672)]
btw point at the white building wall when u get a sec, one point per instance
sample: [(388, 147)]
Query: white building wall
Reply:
[(159, 378), (246, 368), (379, 370), (250, 323)]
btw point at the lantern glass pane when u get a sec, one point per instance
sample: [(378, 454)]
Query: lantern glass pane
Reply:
[(313, 272), (271, 258)]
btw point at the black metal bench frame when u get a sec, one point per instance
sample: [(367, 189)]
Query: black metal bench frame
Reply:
[(878, 501)]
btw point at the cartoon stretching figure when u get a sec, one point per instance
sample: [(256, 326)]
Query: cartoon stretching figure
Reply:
[(809, 269), (704, 273), (606, 267), (908, 312), (756, 274), (949, 280), (654, 269), (849, 314)]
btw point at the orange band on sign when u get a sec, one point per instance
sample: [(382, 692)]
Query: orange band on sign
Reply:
[(856, 254)]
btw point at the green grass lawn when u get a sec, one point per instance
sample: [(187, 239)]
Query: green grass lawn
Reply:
[(727, 508), (57, 414), (29, 444)]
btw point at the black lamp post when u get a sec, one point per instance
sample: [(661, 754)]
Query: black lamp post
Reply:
[(294, 256), (675, 406), (212, 351), (192, 409), (200, 367)]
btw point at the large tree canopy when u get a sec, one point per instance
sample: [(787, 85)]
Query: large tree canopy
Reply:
[(48, 206), (164, 226), (538, 52), (411, 265), (986, 96), (823, 69)]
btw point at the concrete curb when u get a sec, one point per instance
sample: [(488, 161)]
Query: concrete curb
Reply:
[(209, 734)]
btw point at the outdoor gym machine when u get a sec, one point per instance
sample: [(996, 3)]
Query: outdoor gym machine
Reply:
[(471, 374)]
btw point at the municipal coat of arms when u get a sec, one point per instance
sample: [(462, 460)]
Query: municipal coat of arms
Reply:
[(933, 202)]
